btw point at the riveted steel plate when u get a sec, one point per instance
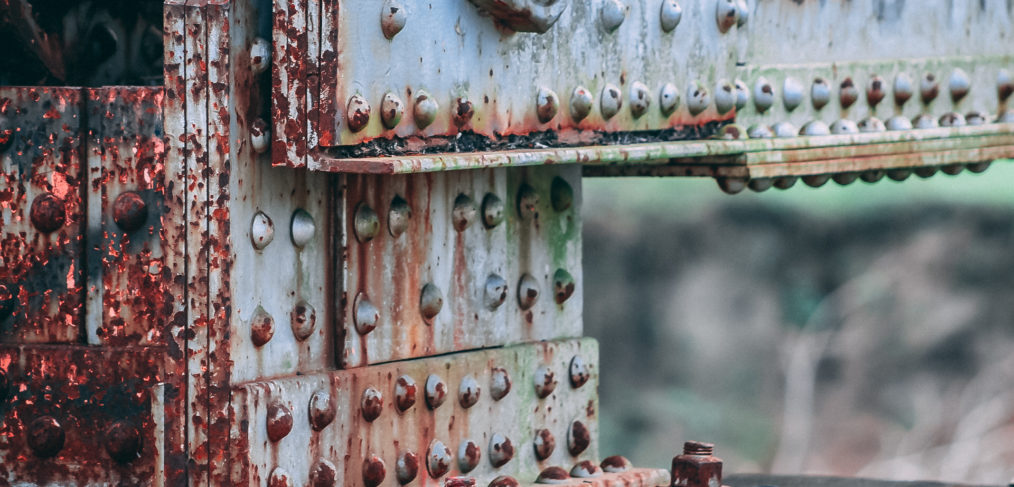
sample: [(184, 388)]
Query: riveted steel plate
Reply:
[(294, 424), (451, 248)]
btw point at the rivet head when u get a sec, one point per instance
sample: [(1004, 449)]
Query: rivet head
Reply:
[(358, 113), (579, 372), (979, 167), (815, 127), (563, 286), (464, 212), (366, 223), (730, 131), (585, 470), (616, 464), (960, 84), (899, 123), (404, 393), (438, 459), (544, 444), (123, 442), (845, 178), (953, 120), (260, 55), (302, 228), (872, 176), (545, 382), (848, 94), (725, 97), (495, 291), (374, 471), (303, 320), (262, 230), (501, 450), (929, 88), (372, 404), (391, 110), (393, 18), (844, 126), (323, 474), (763, 95), (398, 216), (975, 118), (279, 478), (431, 301), (528, 202), (742, 94), (462, 112), (1006, 117), (262, 327), (668, 99), (876, 91), (45, 436), (613, 13), (322, 410), (820, 93), (784, 183), (1004, 85), (726, 14), (435, 392), (611, 101), (903, 89), (425, 110), (366, 314), (260, 136), (732, 185), (698, 98), (500, 383), (926, 172), (925, 121), (469, 455), (581, 102), (784, 130), (640, 99), (578, 438), (528, 292), (48, 213), (872, 125), (761, 185), (504, 481), (553, 475), (792, 93), (816, 180), (279, 420), (561, 194), (744, 13), (899, 175), (547, 104), (129, 211), (407, 467), (670, 15), (469, 392), (760, 131), (492, 210)]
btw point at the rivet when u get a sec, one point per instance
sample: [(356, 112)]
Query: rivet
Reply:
[(464, 212), (358, 113), (792, 93), (553, 475), (262, 327), (668, 98), (260, 55), (929, 88), (925, 121), (407, 467), (425, 110), (760, 131), (262, 230), (366, 223), (398, 216), (616, 464), (545, 382), (563, 285), (260, 136), (670, 15), (438, 459), (698, 98), (492, 210), (815, 127), (743, 10), (323, 474), (468, 392), (436, 391), (581, 101), (579, 373), (47, 213), (586, 469), (129, 211), (763, 95), (611, 101), (820, 93), (903, 89), (953, 120), (123, 442), (303, 320), (876, 91), (725, 97), (469, 455), (279, 478), (730, 131), (366, 314), (816, 180), (872, 176), (302, 228), (613, 13), (1004, 85), (501, 450), (899, 175), (732, 185), (500, 383), (547, 104), (784, 130), (374, 471), (393, 17), (979, 167), (742, 94), (404, 393), (727, 14), (787, 182), (391, 110), (578, 438), (279, 420), (845, 178), (504, 481), (953, 169), (462, 112), (872, 125), (561, 194), (849, 94), (431, 301), (528, 292), (45, 436), (544, 444), (1006, 117), (640, 99), (926, 172), (528, 202), (495, 291), (844, 126), (760, 185), (960, 84), (322, 410), (975, 118), (899, 123), (372, 404)]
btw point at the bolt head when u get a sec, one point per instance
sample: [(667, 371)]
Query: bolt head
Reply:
[(322, 410), (45, 436), (130, 211), (366, 223), (501, 450), (425, 111), (670, 15), (391, 110), (262, 230), (366, 314), (547, 104), (640, 99), (48, 213), (393, 18), (610, 101), (404, 393)]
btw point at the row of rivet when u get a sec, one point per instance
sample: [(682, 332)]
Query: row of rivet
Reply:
[(867, 125), (48, 212), (45, 436), (302, 320), (737, 185), (301, 229), (583, 470)]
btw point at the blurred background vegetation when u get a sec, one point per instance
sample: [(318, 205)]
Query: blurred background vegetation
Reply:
[(862, 330)]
